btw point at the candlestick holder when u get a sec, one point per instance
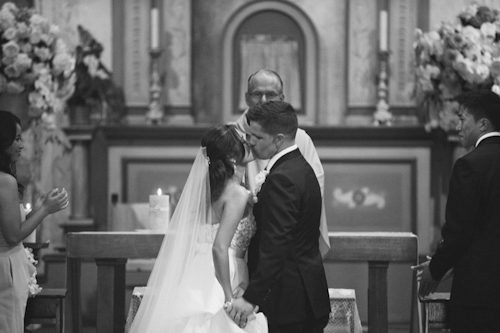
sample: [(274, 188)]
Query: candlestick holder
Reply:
[(382, 115), (155, 115)]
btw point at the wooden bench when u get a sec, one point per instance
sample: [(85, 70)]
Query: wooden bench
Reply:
[(47, 307)]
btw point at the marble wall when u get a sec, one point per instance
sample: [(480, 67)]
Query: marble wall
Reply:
[(192, 60), (329, 21), (93, 15)]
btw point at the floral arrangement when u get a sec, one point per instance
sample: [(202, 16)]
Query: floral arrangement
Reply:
[(34, 59), (34, 288), (94, 85), (457, 57)]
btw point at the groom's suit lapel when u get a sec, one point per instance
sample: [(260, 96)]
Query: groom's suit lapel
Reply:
[(289, 156)]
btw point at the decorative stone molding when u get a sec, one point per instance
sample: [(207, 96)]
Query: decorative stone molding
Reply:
[(311, 55)]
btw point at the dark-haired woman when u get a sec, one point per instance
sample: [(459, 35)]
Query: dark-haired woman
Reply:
[(201, 265), (15, 269)]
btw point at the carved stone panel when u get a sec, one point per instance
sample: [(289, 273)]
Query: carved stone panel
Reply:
[(136, 52), (362, 53), (177, 52), (402, 24)]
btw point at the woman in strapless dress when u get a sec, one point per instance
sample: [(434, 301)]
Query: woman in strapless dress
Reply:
[(201, 265), (15, 268)]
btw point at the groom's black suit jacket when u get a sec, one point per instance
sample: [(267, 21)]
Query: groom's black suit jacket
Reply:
[(287, 277), (471, 234)]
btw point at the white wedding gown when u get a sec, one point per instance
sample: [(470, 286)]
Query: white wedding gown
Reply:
[(199, 308)]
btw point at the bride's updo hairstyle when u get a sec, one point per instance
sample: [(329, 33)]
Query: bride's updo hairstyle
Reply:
[(223, 144)]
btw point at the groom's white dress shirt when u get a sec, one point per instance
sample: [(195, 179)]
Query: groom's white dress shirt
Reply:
[(276, 157)]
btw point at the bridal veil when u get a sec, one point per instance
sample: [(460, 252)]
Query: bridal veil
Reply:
[(172, 291)]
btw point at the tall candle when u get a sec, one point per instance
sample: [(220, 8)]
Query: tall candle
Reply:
[(31, 237), (159, 211), (383, 30), (155, 28)]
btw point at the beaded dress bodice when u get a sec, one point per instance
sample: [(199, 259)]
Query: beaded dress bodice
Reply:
[(244, 232)]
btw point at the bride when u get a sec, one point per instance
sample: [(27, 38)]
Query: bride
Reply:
[(201, 265)]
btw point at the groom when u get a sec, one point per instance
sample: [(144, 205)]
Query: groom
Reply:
[(287, 277)]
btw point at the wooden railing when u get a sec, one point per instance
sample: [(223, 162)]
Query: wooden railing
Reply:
[(112, 249)]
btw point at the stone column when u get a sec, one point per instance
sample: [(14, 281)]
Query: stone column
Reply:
[(80, 180), (80, 218)]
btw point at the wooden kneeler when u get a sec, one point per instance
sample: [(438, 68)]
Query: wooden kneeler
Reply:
[(434, 312), (47, 307)]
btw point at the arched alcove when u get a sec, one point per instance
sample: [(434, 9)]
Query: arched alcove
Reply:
[(294, 24)]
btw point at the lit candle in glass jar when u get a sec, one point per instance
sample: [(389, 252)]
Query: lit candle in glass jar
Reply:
[(159, 211)]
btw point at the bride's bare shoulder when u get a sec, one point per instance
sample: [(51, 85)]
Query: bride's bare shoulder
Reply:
[(235, 192)]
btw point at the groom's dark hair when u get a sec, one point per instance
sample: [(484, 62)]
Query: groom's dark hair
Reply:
[(274, 117)]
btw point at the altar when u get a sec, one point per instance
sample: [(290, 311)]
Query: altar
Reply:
[(376, 179)]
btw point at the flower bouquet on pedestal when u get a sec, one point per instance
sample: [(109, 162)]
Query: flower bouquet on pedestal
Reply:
[(459, 56), (36, 62), (37, 68), (95, 92)]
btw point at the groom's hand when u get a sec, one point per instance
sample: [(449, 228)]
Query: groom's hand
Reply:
[(427, 284), (239, 311)]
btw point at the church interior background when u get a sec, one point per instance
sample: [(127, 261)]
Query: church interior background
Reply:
[(179, 66)]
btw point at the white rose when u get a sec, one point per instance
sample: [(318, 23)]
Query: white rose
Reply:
[(496, 89), (10, 33), (471, 33), (488, 30), (260, 179)]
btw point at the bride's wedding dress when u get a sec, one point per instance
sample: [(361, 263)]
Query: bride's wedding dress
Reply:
[(201, 310), (183, 294)]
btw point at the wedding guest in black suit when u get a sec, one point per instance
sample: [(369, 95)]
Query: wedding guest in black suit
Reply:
[(470, 245), (287, 277)]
